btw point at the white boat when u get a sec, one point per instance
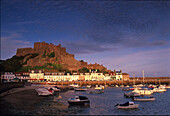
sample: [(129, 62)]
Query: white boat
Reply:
[(121, 85), (151, 86), (143, 92), (88, 86), (96, 92), (127, 105), (159, 89), (144, 98), (102, 86), (80, 89), (167, 86), (55, 88), (127, 86), (74, 85), (44, 91), (97, 87), (162, 86), (116, 86), (78, 100)]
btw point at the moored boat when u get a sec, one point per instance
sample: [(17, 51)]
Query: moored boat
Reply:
[(159, 89), (55, 88), (88, 86), (127, 105), (80, 89), (78, 100), (44, 91), (144, 98), (96, 92), (132, 94), (102, 86), (97, 87), (167, 86), (74, 85), (143, 91)]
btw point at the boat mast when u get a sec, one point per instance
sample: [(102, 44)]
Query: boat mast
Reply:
[(143, 77), (134, 79)]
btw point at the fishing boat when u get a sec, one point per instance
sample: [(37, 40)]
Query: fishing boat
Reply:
[(78, 100), (144, 98), (80, 89), (96, 92), (127, 105), (44, 91)]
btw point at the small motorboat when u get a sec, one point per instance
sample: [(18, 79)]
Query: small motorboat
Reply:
[(132, 94), (144, 98), (78, 100), (80, 89), (96, 92), (127, 105), (44, 91)]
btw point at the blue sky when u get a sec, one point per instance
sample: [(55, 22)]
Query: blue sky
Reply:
[(128, 35)]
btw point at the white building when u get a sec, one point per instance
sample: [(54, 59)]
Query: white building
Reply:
[(8, 76), (36, 75)]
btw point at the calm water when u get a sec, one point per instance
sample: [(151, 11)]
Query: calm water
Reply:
[(103, 104)]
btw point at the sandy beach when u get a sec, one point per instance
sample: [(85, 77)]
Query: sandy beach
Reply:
[(22, 101)]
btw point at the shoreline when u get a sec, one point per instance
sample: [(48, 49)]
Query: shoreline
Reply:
[(22, 101)]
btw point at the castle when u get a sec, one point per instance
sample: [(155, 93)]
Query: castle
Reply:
[(53, 54)]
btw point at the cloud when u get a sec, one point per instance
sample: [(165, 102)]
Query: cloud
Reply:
[(10, 43), (85, 47), (10, 35), (153, 62)]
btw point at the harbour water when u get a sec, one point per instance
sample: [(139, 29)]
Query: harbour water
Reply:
[(103, 104)]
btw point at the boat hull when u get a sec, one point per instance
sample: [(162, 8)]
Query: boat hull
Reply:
[(78, 102), (128, 107)]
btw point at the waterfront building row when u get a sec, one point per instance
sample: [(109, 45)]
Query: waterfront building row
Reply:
[(40, 76)]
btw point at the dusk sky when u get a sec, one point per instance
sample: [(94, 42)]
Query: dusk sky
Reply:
[(127, 35)]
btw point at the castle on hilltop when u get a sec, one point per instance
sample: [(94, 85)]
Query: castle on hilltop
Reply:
[(44, 53)]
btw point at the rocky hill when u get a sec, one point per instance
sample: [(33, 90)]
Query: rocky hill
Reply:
[(51, 57)]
